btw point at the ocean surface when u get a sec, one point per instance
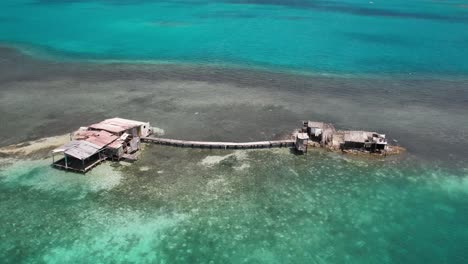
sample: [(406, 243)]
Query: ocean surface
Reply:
[(342, 37), (237, 70)]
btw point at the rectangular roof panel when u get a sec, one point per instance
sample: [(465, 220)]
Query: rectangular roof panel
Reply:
[(79, 149), (108, 127), (357, 136)]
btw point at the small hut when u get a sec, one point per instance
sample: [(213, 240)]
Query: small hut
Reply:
[(78, 155), (118, 126), (364, 140), (319, 132), (302, 141)]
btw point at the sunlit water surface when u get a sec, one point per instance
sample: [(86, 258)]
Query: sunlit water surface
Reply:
[(192, 69), (265, 206)]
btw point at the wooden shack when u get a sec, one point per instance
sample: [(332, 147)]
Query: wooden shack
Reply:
[(364, 140), (302, 141), (118, 126), (78, 155)]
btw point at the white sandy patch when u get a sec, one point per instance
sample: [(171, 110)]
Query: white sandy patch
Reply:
[(294, 172), (35, 145), (210, 161), (243, 166), (124, 163), (144, 168), (241, 154)]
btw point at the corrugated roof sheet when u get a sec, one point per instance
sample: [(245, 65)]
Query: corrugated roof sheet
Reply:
[(79, 149), (122, 121), (316, 124), (119, 142), (357, 136), (102, 139), (108, 127), (116, 144), (117, 125)]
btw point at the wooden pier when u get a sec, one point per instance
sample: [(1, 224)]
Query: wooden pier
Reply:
[(119, 138), (220, 145)]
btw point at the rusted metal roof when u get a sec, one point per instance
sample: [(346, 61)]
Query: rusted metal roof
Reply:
[(101, 138), (116, 144), (119, 142)]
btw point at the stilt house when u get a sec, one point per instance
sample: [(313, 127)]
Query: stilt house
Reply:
[(115, 139)]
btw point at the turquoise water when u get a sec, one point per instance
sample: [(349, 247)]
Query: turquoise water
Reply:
[(213, 206), (347, 37), (235, 207)]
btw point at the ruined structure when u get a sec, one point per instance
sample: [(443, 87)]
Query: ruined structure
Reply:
[(363, 140), (319, 132), (325, 135)]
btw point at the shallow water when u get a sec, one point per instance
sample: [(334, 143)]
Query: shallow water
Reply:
[(270, 206), (237, 71), (281, 208)]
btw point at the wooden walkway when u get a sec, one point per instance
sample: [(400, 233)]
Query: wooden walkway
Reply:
[(220, 145)]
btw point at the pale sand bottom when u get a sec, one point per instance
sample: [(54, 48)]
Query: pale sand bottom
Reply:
[(322, 206), (34, 148)]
